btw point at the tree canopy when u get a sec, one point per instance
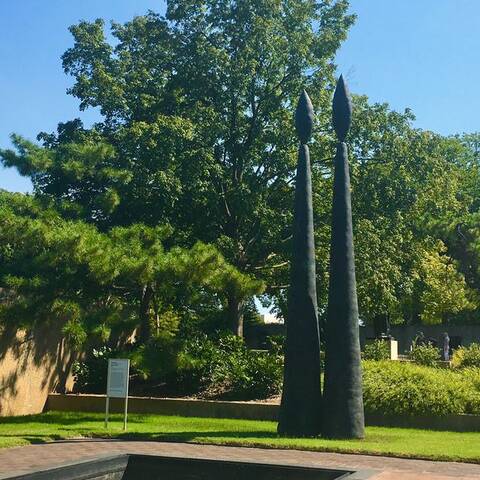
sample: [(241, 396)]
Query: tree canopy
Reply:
[(93, 284), (197, 144)]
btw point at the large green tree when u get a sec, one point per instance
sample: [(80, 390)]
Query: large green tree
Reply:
[(196, 129), (196, 133), (405, 181), (104, 286)]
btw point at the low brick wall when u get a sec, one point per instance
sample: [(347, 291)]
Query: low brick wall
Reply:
[(242, 410)]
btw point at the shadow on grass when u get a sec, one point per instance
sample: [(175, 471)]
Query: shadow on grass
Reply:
[(49, 418), (191, 436), (32, 438), (63, 419)]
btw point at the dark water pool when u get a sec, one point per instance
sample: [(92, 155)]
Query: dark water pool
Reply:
[(147, 467)]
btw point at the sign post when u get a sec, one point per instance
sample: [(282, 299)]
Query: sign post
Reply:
[(117, 385)]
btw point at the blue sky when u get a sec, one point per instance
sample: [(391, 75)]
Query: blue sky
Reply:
[(420, 54)]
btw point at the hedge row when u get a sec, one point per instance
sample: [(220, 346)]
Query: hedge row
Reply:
[(226, 368), (398, 388)]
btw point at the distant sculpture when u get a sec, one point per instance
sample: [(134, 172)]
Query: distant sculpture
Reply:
[(381, 326), (446, 347), (300, 409), (342, 397)]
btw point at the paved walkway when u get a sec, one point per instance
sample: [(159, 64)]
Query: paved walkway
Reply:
[(19, 460)]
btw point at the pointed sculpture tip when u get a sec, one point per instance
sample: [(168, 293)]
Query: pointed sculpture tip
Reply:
[(342, 109), (304, 117)]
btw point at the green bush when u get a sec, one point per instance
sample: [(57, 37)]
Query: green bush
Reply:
[(90, 375), (276, 344), (156, 360), (426, 354), (227, 368), (196, 363), (151, 363), (465, 357), (400, 388), (376, 350)]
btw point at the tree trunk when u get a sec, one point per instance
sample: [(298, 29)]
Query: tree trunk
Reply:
[(235, 310), (145, 330)]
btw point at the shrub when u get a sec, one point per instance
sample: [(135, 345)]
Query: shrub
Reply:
[(260, 376), (156, 360), (426, 354), (90, 375), (376, 350), (276, 344), (399, 388), (226, 368), (196, 363), (465, 357)]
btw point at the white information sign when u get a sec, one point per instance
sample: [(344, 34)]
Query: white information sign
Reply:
[(117, 385)]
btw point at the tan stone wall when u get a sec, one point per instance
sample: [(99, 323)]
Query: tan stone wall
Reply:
[(32, 364)]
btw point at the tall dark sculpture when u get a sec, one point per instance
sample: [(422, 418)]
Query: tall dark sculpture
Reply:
[(300, 410), (342, 396)]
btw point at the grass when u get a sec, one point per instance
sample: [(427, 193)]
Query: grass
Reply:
[(398, 442)]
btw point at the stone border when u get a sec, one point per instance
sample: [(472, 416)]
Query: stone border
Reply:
[(103, 468), (242, 410), (134, 465)]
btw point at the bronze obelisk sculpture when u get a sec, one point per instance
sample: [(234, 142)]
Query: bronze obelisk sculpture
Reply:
[(342, 395), (300, 410)]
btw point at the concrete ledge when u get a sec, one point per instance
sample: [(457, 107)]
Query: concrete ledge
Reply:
[(242, 410)]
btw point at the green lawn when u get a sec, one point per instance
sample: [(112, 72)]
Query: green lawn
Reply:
[(399, 442)]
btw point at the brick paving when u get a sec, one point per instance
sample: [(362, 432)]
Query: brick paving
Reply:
[(20, 460)]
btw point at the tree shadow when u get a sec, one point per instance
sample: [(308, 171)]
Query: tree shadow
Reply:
[(190, 436), (41, 347), (34, 439), (50, 418)]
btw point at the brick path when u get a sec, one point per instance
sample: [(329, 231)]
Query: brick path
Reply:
[(18, 460)]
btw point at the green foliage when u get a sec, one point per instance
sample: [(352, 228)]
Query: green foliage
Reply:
[(197, 124), (90, 375), (466, 357), (425, 354), (155, 360), (376, 350), (276, 344), (221, 368), (94, 284), (444, 290), (227, 369), (197, 134), (400, 388)]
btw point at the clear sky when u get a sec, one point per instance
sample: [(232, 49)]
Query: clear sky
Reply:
[(421, 54)]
